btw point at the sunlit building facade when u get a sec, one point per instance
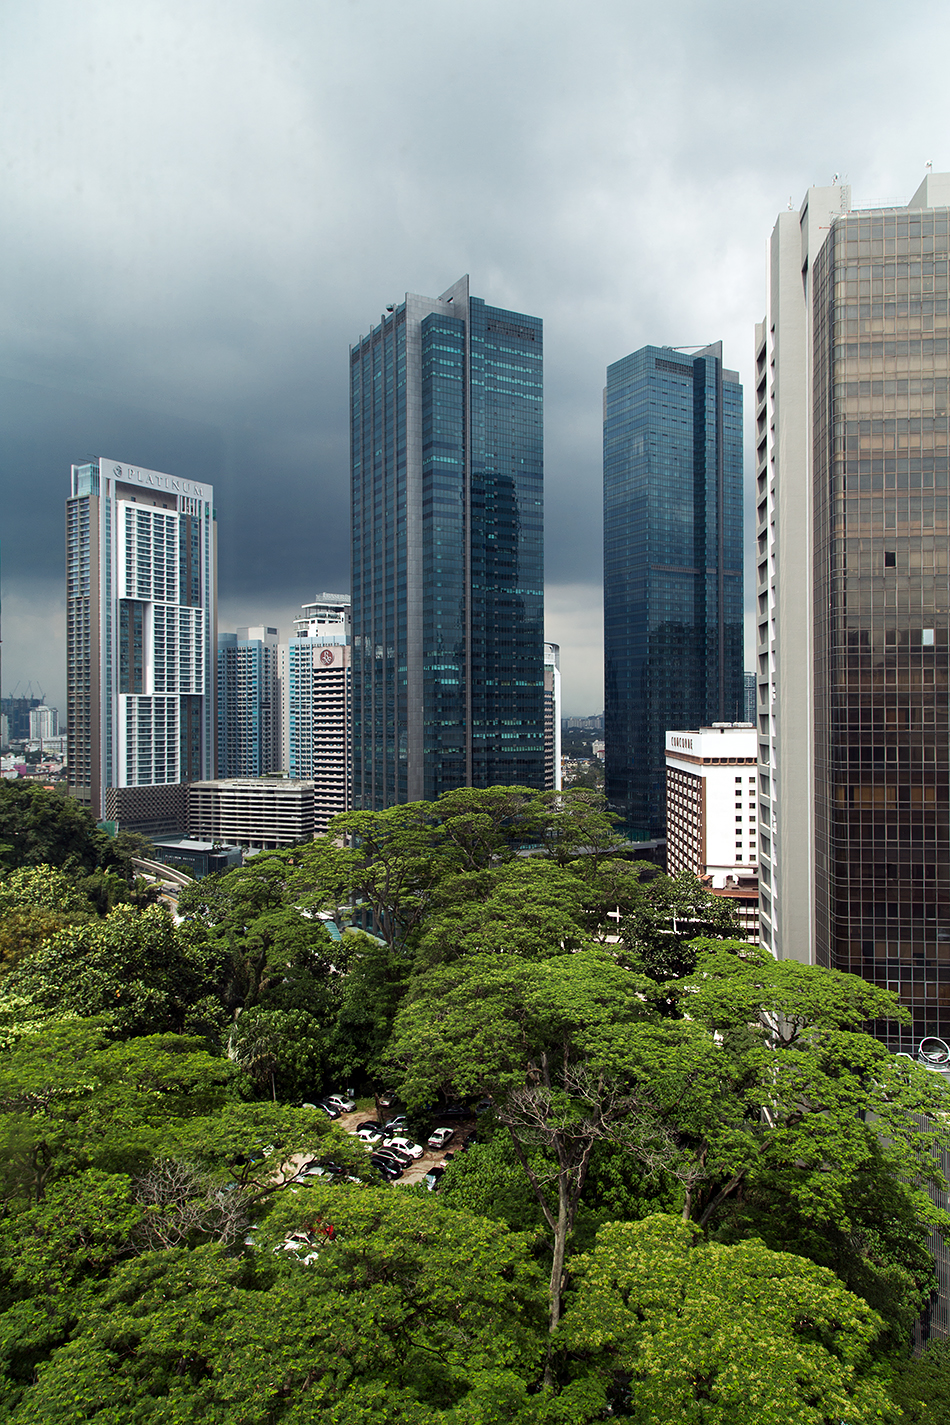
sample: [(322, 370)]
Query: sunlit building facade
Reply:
[(447, 551)]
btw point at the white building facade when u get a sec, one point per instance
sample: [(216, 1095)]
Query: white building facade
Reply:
[(140, 641), (712, 813), (552, 717), (44, 723), (317, 697)]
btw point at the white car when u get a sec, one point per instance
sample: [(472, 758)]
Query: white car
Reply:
[(440, 1137), (339, 1101), (370, 1135), (405, 1145)]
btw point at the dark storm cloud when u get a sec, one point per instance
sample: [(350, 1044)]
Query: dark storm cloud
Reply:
[(205, 203)]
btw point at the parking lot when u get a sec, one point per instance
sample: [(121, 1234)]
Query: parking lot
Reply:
[(430, 1159)]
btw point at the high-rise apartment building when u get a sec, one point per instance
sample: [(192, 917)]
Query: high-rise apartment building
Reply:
[(140, 641), (672, 565), (552, 717), (249, 719), (447, 558), (317, 691), (44, 723), (853, 463)]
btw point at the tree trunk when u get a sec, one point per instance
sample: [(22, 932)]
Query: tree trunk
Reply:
[(561, 1229)]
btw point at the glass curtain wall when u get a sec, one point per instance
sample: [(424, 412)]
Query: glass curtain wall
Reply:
[(882, 523), (447, 496), (673, 635)]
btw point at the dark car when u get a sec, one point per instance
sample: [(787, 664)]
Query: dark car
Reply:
[(453, 1110), (386, 1166), (433, 1178), (402, 1160), (370, 1123), (327, 1108)]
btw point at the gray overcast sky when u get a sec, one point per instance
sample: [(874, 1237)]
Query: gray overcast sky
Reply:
[(205, 201)]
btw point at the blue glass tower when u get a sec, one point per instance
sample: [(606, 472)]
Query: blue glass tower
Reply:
[(447, 557), (672, 565)]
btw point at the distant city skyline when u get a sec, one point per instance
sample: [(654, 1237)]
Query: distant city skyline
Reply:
[(191, 230)]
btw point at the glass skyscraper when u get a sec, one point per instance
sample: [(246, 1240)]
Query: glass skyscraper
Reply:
[(447, 557), (853, 485), (672, 566)]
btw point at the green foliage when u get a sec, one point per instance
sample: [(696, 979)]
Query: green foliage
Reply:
[(132, 968), (529, 907), (44, 886), (379, 1326), (39, 828), (921, 1386), (489, 1180), (70, 1099), (661, 924), (150, 1164), (720, 1335)]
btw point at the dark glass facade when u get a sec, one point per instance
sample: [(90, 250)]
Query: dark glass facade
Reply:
[(447, 552), (881, 526), (673, 637)]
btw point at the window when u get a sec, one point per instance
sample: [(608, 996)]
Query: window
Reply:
[(890, 559)]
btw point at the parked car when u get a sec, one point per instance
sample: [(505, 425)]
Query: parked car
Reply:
[(386, 1166), (405, 1145), (340, 1101), (469, 1140), (453, 1110), (433, 1178), (397, 1124), (370, 1123), (370, 1135), (403, 1159), (327, 1108), (440, 1137)]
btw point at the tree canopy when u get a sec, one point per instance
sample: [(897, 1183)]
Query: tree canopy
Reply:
[(699, 1188)]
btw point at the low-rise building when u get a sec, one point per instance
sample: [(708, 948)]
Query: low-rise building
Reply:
[(262, 813)]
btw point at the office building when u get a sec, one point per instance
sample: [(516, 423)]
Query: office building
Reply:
[(711, 813), (262, 814), (317, 683), (748, 680), (44, 723), (447, 557), (248, 702), (140, 642), (853, 461), (552, 717), (673, 635)]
